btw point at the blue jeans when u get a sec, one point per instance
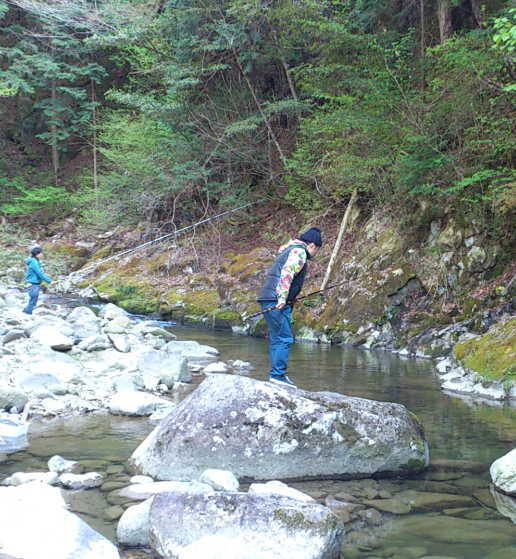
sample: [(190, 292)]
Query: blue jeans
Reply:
[(280, 337), (33, 298)]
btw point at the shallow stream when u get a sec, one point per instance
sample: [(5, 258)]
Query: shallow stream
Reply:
[(456, 429)]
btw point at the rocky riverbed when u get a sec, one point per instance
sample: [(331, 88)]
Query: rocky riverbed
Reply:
[(443, 508)]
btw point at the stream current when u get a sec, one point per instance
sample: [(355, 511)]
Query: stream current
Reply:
[(457, 430)]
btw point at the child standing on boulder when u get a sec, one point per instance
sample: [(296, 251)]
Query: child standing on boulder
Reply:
[(34, 277), (282, 285)]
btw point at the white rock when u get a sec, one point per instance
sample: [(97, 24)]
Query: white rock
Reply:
[(141, 479), (239, 364), (36, 525), (20, 478), (117, 325), (120, 342), (110, 311), (141, 491), (127, 383), (133, 526), (60, 465), (163, 367), (220, 480), (503, 473), (218, 367), (13, 434), (278, 488), (97, 342), (81, 481), (61, 365), (51, 337), (493, 391), (84, 323), (136, 403), (193, 351), (443, 366), (160, 414)]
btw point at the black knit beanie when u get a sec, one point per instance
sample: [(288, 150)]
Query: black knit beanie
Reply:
[(313, 235)]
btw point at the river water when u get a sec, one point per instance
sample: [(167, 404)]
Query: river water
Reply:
[(456, 429)]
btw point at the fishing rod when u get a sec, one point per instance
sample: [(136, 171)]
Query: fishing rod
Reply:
[(298, 299), (163, 237)]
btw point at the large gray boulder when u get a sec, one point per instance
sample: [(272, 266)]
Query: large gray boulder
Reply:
[(244, 526), (259, 430)]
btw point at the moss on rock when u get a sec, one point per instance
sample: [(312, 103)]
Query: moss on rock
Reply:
[(492, 355)]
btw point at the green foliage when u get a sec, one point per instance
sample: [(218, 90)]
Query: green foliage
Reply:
[(202, 102), (25, 200), (504, 36)]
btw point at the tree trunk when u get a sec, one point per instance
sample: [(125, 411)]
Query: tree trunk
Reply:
[(285, 67), (422, 26), (338, 242), (444, 12), (94, 142), (476, 8), (53, 131)]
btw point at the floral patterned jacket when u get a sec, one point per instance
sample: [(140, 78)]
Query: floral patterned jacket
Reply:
[(294, 264)]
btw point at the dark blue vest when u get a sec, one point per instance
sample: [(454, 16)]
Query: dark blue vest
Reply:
[(268, 292)]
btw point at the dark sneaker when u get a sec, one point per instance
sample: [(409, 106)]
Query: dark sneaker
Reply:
[(284, 380)]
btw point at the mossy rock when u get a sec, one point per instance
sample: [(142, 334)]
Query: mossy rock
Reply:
[(132, 294), (245, 266), (492, 355)]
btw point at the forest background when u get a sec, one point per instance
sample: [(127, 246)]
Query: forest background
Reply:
[(123, 111)]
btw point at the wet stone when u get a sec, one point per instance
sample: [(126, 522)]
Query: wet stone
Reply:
[(347, 497), (113, 513), (114, 498), (393, 506), (433, 486), (444, 476), (471, 483), (111, 486), (404, 553), (458, 466), (481, 514), (114, 469), (351, 552), (503, 553), (485, 498), (94, 465), (371, 516)]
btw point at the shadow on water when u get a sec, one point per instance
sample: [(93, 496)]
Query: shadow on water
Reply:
[(456, 429)]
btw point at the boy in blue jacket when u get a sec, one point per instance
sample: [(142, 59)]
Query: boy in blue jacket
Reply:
[(34, 277)]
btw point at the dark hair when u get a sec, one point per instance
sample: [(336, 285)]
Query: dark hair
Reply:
[(35, 251)]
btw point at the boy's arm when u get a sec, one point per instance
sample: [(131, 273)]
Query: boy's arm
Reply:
[(39, 272)]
